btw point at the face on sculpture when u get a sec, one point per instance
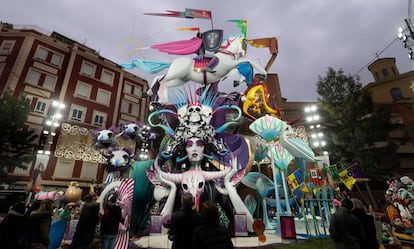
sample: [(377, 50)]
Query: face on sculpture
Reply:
[(194, 113), (193, 182), (182, 114), (206, 114), (195, 149)]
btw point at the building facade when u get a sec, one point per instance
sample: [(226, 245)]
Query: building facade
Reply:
[(96, 92), (390, 88)]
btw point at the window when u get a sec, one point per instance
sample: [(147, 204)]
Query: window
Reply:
[(384, 72), (128, 88), (40, 106), (41, 53), (56, 60), (6, 47), (103, 97), (64, 168), (134, 109), (99, 119), (130, 108), (132, 89), (50, 81), (89, 170), (125, 106), (78, 113), (137, 91), (33, 77), (83, 90), (107, 77), (88, 69), (396, 94)]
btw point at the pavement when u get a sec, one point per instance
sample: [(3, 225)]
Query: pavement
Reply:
[(161, 241)]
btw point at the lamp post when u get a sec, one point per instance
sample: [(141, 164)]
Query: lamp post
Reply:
[(44, 152), (317, 137), (144, 153), (406, 34)]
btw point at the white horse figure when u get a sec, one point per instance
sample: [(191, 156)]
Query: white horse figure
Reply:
[(230, 55)]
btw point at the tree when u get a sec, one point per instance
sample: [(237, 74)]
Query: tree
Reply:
[(357, 129), (16, 141)]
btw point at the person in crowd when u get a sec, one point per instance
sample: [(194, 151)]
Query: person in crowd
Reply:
[(210, 233), (110, 222), (183, 223), (368, 223), (345, 229), (40, 220), (15, 229), (86, 227)]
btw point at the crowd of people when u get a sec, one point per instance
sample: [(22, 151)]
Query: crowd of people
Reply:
[(352, 227), (28, 226), (190, 229)]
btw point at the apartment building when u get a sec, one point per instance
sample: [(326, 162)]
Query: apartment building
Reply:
[(395, 89), (97, 93)]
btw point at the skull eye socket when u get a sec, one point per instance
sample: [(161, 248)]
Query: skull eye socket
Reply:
[(125, 157), (198, 109), (185, 186), (200, 185)]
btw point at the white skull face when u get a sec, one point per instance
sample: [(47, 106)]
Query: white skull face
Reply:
[(193, 113), (119, 158), (182, 114), (206, 114), (193, 182), (105, 136), (131, 128)]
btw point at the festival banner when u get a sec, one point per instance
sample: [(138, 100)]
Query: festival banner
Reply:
[(155, 224), (296, 181), (317, 177), (40, 167), (356, 171), (240, 224), (347, 178), (333, 171)]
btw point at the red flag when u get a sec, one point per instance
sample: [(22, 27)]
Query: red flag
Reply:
[(188, 13), (194, 13)]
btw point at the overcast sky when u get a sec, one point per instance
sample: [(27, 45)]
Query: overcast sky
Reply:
[(312, 34)]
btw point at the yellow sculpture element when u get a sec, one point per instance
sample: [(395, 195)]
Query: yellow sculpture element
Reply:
[(256, 104)]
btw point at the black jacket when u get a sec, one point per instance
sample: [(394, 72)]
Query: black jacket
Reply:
[(183, 223), (85, 229), (211, 236), (368, 223), (40, 222), (15, 231), (110, 220), (346, 230)]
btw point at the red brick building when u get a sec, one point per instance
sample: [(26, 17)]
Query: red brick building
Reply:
[(97, 93)]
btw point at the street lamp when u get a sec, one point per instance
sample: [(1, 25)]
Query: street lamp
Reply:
[(317, 139), (406, 35), (51, 123)]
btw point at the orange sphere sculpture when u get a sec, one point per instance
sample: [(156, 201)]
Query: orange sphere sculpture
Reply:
[(73, 193)]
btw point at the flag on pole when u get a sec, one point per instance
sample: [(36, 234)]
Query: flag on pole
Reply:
[(347, 178), (356, 171), (187, 13)]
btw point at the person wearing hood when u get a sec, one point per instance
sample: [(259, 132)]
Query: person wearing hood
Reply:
[(14, 230), (40, 220)]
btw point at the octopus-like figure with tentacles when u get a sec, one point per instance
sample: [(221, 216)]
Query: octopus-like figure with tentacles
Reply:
[(198, 158)]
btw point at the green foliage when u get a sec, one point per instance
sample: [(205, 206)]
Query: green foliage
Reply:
[(16, 142), (355, 126)]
